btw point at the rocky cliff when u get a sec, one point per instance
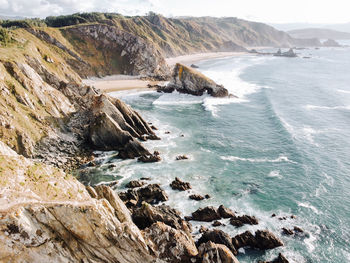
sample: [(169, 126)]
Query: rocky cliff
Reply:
[(47, 113), (188, 80)]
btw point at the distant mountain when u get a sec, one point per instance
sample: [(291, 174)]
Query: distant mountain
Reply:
[(321, 33), (293, 26)]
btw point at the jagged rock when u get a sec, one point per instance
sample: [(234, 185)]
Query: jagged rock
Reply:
[(107, 135), (239, 221), (298, 229), (246, 239), (218, 237), (180, 185), (135, 184), (194, 66), (196, 197), (181, 157), (151, 158), (290, 53), (225, 212), (279, 259), (133, 54), (216, 223), (263, 240), (187, 80), (203, 229), (152, 194), (146, 215), (287, 232), (170, 244), (266, 240), (215, 253), (206, 214)]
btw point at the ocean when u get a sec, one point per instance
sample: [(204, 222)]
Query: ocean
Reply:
[(282, 147)]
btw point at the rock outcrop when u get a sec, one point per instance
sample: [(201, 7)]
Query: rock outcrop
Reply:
[(218, 237), (331, 43), (188, 80), (215, 253), (180, 185), (263, 239), (206, 214)]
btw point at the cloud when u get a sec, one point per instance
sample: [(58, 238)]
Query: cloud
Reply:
[(43, 8)]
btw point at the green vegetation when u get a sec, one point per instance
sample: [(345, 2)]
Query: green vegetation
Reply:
[(25, 23), (79, 18), (5, 37)]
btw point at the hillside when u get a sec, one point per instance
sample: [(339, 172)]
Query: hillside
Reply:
[(321, 33)]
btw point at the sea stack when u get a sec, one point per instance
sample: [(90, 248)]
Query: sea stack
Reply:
[(188, 80)]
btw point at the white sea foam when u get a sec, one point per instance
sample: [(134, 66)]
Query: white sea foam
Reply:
[(309, 206), (316, 107), (257, 160), (229, 78), (275, 173)]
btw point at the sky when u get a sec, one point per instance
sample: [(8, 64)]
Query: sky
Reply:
[(268, 11)]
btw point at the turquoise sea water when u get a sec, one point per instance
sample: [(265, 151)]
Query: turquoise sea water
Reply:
[(283, 147)]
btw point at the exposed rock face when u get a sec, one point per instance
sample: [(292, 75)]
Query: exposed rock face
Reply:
[(180, 185), (218, 237), (225, 212), (239, 221), (47, 225), (116, 51), (152, 194), (135, 184), (170, 244), (279, 259), (146, 215), (263, 240), (206, 214), (196, 197), (215, 253), (187, 80)]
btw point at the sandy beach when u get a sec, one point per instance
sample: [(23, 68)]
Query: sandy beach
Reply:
[(125, 82)]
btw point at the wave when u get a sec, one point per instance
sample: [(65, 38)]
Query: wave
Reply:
[(275, 173), (316, 107), (309, 206), (257, 160)]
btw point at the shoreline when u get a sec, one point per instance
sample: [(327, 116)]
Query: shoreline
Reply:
[(115, 83)]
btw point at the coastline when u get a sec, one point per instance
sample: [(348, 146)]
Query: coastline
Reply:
[(126, 82)]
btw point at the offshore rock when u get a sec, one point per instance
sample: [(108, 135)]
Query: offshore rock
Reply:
[(239, 221), (152, 194), (170, 244), (146, 215), (263, 240), (279, 259), (215, 253), (225, 212), (180, 185), (218, 237), (188, 80), (135, 184), (206, 214)]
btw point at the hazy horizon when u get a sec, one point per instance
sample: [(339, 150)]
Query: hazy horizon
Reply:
[(299, 12)]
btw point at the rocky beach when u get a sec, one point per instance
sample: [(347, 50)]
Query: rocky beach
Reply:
[(65, 140)]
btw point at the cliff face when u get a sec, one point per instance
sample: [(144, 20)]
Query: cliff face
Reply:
[(48, 216), (46, 112)]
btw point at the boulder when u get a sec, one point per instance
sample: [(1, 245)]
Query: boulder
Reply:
[(218, 237), (181, 157), (146, 215), (263, 240), (188, 80), (239, 221), (215, 253), (266, 240), (279, 259), (150, 158), (170, 244), (135, 184), (206, 214), (152, 194), (225, 212), (196, 197), (180, 185), (216, 223)]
